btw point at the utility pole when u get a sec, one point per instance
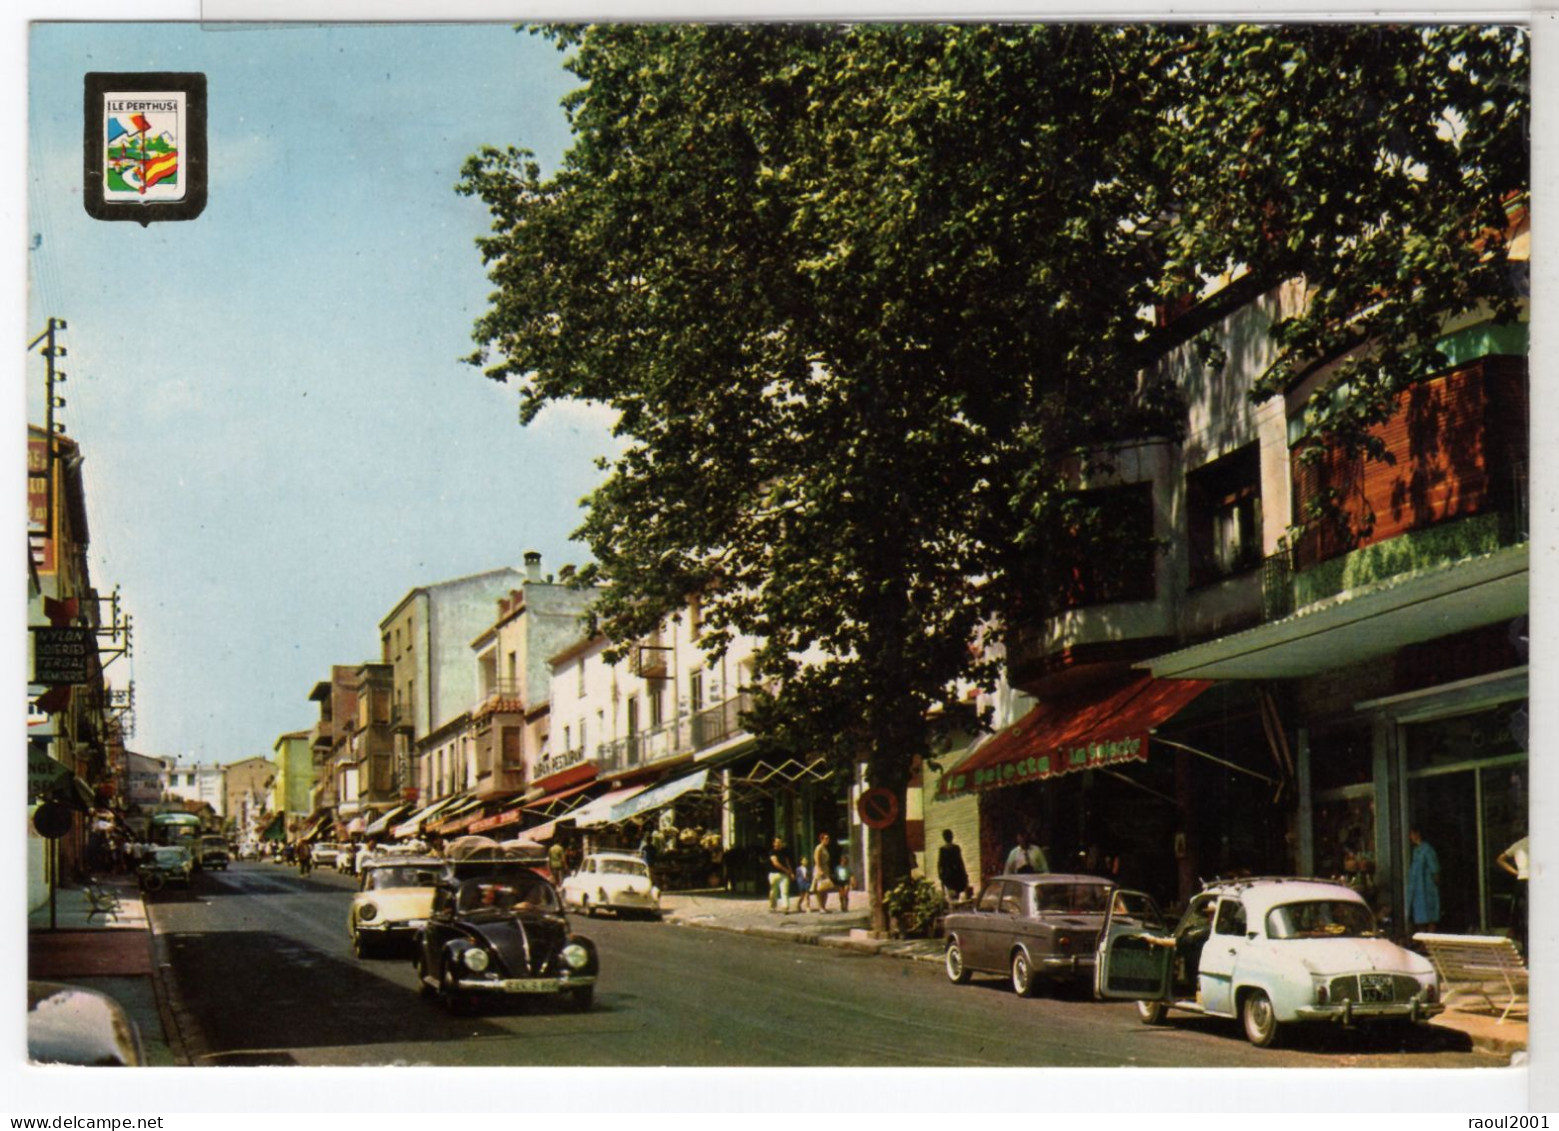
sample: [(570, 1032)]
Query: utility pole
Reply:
[(53, 376)]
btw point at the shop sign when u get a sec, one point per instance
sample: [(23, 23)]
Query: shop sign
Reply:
[(62, 655), (43, 772), (1039, 767), (562, 760)]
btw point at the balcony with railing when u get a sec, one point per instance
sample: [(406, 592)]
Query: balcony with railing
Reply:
[(685, 735)]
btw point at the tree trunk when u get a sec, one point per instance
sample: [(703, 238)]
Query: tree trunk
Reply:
[(888, 768)]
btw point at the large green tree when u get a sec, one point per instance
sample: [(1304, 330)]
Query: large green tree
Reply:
[(860, 296)]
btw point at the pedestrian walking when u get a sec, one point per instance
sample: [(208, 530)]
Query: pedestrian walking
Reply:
[(950, 869), (1026, 857), (305, 856), (803, 886), (557, 861), (1515, 861), (781, 874), (823, 870), (842, 879), (1423, 885)]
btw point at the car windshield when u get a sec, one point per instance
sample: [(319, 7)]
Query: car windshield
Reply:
[(1071, 898), (1321, 919), (513, 893), (613, 867), (399, 876)]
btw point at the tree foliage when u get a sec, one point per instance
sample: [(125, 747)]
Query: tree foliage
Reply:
[(860, 295)]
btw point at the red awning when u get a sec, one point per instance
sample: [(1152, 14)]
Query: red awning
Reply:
[(1105, 729)]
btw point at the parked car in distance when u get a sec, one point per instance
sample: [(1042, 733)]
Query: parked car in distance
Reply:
[(1270, 951), (213, 852), (1036, 930), (164, 865), (325, 855), (394, 898), (500, 936), (75, 1025), (613, 881)]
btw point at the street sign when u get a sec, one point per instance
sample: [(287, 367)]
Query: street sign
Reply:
[(53, 820), (62, 655), (878, 808)]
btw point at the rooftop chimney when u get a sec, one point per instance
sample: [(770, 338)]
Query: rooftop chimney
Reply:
[(532, 565)]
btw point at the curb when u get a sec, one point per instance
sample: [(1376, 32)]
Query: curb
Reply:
[(170, 1007)]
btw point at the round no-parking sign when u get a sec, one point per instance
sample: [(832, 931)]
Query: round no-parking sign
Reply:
[(878, 808)]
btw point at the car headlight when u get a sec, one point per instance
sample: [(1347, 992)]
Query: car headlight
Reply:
[(366, 912), (655, 894), (476, 959), (576, 956)]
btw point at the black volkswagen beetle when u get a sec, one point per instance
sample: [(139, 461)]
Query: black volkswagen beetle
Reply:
[(502, 934)]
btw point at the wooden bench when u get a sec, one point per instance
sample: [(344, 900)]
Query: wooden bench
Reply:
[(101, 901), (1486, 966)]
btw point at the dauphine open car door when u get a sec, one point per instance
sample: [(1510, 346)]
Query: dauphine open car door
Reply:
[(1129, 967)]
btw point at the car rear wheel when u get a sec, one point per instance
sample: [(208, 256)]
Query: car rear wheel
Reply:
[(1152, 1012), (424, 984), (1261, 1022), (1024, 984), (957, 973)]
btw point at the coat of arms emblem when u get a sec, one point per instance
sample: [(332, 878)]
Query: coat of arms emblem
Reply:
[(145, 146)]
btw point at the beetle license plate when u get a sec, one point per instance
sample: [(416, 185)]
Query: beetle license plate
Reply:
[(1375, 987), (529, 986)]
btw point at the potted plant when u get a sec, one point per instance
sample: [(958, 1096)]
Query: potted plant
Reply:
[(914, 904)]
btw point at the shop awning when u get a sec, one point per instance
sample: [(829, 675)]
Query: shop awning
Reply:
[(499, 817), (379, 824), (459, 815), (656, 796), (598, 811), (1364, 623), (277, 829), (555, 802), (552, 785), (413, 824), (1088, 733), (541, 833)]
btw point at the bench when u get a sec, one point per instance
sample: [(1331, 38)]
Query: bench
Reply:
[(1486, 966), (101, 901)]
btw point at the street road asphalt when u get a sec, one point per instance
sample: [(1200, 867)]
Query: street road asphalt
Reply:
[(262, 973)]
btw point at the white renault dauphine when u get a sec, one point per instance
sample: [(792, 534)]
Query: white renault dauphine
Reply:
[(1270, 951), (613, 881)]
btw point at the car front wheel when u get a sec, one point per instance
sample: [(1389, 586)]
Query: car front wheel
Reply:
[(456, 1002), (582, 998), (957, 972), (1261, 1022), (1152, 1012), (1024, 984)]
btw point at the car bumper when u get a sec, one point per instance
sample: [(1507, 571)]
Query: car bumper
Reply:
[(1349, 1012), (632, 902), (519, 986), (392, 927), (1066, 965)]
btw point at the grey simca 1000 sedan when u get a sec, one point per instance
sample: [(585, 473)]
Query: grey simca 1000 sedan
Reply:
[(1035, 929)]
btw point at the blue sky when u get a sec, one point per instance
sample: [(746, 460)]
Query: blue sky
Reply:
[(280, 438)]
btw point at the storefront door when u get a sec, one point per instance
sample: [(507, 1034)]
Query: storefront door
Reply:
[(1467, 794)]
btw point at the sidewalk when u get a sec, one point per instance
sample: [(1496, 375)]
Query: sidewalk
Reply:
[(111, 954), (750, 915)]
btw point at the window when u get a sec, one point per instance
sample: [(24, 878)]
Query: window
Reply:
[(568, 738), (1114, 551), (657, 699), (633, 716), (582, 742), (514, 672), (581, 679), (695, 692), (1223, 502), (1231, 918)]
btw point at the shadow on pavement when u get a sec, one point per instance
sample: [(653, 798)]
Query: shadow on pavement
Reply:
[(297, 997)]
